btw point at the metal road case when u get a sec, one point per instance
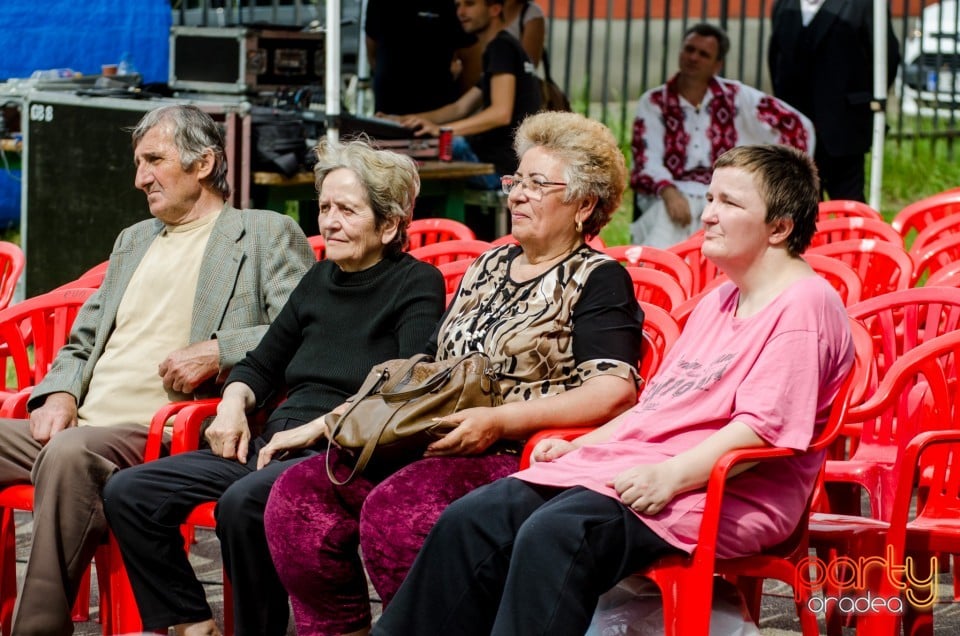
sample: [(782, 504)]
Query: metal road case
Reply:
[(244, 60)]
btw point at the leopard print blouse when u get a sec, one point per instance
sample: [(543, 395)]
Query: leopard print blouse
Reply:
[(528, 328)]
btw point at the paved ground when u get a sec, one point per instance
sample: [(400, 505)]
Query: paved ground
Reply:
[(778, 617)]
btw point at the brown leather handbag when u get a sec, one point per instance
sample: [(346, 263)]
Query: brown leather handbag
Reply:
[(394, 414)]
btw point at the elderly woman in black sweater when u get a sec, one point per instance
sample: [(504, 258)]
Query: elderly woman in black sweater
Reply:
[(366, 303)]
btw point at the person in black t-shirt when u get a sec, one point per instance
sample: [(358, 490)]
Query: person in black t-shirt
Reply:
[(483, 119), (413, 46)]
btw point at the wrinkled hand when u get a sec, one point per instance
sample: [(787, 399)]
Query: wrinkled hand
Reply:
[(303, 436), (229, 434), (550, 449), (678, 208), (476, 430), (185, 369), (59, 412), (647, 488)]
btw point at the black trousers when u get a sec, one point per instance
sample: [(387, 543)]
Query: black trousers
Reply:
[(520, 559), (145, 506), (842, 178)]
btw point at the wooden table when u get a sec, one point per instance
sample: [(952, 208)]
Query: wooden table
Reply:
[(444, 178)]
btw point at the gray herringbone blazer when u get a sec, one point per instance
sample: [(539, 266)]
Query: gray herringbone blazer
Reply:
[(252, 262)]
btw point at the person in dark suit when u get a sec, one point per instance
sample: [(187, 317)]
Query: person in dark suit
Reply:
[(821, 62)]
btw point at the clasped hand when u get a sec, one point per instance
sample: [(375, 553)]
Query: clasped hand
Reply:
[(647, 488), (477, 429)]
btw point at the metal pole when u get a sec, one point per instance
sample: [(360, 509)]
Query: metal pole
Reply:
[(879, 100), (363, 63), (333, 69)]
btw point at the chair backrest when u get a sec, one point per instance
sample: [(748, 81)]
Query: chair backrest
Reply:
[(839, 275), (433, 230), (318, 245), (918, 393), (918, 215), (655, 258), (881, 266), (841, 208), (854, 227), (944, 252), (99, 268), (453, 272), (703, 270), (447, 251), (660, 332), (89, 281), (934, 232), (900, 321), (656, 288), (948, 276), (12, 262), (33, 331)]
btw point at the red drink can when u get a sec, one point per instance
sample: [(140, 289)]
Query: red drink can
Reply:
[(445, 145)]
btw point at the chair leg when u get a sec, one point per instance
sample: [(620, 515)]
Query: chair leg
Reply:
[(8, 569), (119, 611), (227, 606), (81, 606)]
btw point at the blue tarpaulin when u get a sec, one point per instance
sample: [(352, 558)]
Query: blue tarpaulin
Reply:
[(82, 36)]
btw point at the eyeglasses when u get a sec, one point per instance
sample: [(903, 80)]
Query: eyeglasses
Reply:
[(532, 186)]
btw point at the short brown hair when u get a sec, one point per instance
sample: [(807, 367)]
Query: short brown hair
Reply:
[(788, 184)]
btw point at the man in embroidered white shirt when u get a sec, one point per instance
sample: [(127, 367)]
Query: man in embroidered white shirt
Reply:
[(682, 126)]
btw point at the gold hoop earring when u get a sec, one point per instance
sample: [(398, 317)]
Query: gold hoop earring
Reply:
[(579, 226)]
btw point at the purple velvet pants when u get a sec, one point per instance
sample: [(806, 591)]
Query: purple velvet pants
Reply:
[(314, 530)]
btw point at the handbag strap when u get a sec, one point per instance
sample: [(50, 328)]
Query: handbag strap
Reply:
[(372, 383)]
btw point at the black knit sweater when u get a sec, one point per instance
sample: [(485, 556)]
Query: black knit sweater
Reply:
[(335, 327)]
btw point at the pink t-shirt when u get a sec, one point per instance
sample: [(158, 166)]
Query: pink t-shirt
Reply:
[(777, 371)]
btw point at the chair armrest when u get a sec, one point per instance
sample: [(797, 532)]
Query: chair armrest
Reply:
[(716, 485), (563, 433), (15, 406), (186, 426), (910, 468), (161, 420)]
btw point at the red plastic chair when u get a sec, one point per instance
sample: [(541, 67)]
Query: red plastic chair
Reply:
[(99, 268), (898, 322), (931, 367), (656, 288), (447, 251), (318, 245), (122, 610), (654, 258), (840, 208), (12, 262), (935, 256), (881, 266), (855, 227), (31, 334), (918, 215), (434, 230), (935, 231), (660, 332), (840, 276), (704, 271), (452, 275)]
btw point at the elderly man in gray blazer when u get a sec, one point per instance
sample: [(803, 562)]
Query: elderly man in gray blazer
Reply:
[(185, 296)]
